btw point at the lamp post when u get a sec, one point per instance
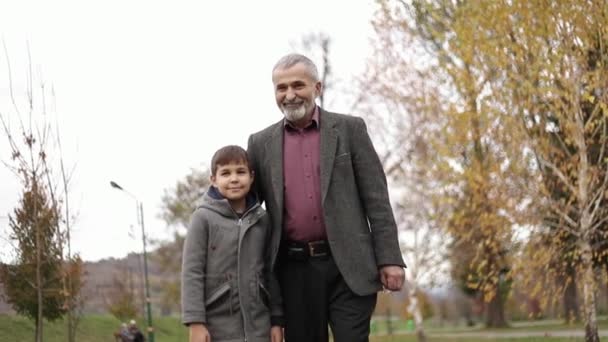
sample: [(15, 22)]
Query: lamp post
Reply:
[(140, 208)]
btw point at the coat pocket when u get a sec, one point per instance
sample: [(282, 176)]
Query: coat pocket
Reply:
[(342, 158), (217, 294), (367, 264), (264, 294), (259, 312), (224, 320)]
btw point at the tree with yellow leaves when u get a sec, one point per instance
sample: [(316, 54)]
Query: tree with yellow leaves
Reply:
[(427, 62), (519, 141), (552, 58)]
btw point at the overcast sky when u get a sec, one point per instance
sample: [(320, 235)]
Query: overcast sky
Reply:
[(147, 90)]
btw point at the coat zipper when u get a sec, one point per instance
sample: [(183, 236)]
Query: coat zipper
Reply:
[(238, 274)]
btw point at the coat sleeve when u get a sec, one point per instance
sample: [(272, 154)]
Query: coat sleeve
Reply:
[(373, 191), (194, 259)]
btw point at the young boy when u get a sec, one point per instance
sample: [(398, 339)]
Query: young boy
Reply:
[(226, 270)]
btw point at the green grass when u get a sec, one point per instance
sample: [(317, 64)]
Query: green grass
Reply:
[(470, 339), (92, 328), (99, 328), (379, 326), (403, 333)]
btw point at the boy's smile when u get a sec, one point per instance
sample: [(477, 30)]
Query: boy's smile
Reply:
[(233, 181)]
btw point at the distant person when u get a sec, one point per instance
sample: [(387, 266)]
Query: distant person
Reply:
[(123, 334), (135, 332), (326, 194), (227, 258)]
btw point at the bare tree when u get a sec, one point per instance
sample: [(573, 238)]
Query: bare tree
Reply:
[(317, 46)]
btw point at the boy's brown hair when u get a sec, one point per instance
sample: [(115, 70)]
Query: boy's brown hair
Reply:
[(229, 154)]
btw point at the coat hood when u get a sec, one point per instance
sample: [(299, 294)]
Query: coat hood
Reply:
[(214, 200)]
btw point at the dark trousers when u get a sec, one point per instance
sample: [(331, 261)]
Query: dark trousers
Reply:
[(315, 295)]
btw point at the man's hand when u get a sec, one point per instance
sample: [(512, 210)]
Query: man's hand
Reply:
[(392, 277), (199, 333), (276, 334)]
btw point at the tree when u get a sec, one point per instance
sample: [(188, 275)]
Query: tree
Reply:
[(317, 46), (178, 204), (41, 282), (552, 63), (33, 283), (426, 66), (534, 72), (424, 302), (396, 119), (422, 244), (73, 268), (121, 298)]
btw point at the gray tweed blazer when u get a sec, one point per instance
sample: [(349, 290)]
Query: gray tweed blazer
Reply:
[(359, 220)]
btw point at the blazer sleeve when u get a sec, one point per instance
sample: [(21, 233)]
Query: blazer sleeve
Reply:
[(274, 290), (276, 299), (253, 165), (373, 192), (194, 259)]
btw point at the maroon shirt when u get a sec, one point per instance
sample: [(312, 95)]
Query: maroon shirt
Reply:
[(303, 216)]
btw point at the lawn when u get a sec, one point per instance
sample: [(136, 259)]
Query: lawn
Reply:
[(403, 333), (92, 328), (99, 328), (412, 338), (380, 326)]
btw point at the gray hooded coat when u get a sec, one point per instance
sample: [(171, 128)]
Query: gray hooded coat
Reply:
[(226, 271)]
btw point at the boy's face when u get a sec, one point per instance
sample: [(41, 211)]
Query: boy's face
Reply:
[(233, 180)]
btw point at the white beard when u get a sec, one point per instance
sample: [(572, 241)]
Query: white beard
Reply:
[(294, 114)]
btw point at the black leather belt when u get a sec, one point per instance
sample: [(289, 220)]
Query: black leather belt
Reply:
[(305, 250)]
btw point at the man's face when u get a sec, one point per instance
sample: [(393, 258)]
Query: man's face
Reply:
[(233, 180), (295, 91)]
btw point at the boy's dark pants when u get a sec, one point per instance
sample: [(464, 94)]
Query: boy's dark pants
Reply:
[(315, 294)]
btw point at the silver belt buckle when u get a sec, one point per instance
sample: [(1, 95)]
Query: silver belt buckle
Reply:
[(311, 248)]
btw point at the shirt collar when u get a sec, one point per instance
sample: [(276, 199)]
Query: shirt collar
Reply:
[(314, 122)]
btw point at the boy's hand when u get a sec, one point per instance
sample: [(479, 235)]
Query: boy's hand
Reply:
[(199, 333), (276, 334)]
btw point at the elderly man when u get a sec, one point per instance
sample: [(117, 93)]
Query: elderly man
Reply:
[(325, 191)]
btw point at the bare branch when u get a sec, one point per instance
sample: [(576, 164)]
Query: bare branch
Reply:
[(598, 197), (559, 174), (599, 224)]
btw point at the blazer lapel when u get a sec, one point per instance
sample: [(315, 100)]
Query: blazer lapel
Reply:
[(275, 148), (329, 141)]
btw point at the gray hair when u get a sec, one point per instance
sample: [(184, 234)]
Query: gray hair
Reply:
[(292, 59)]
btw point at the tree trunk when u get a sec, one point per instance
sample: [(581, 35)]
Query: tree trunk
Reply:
[(586, 220), (589, 294), (468, 311), (421, 337), (571, 309), (419, 327), (415, 310), (70, 325), (495, 312), (38, 279), (606, 291), (389, 320)]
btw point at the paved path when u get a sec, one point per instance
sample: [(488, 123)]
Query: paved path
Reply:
[(518, 334)]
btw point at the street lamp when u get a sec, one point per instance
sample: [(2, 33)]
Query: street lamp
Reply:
[(140, 207)]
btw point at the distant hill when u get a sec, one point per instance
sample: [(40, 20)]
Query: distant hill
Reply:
[(99, 276)]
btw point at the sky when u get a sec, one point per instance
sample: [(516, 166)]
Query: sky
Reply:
[(144, 91)]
